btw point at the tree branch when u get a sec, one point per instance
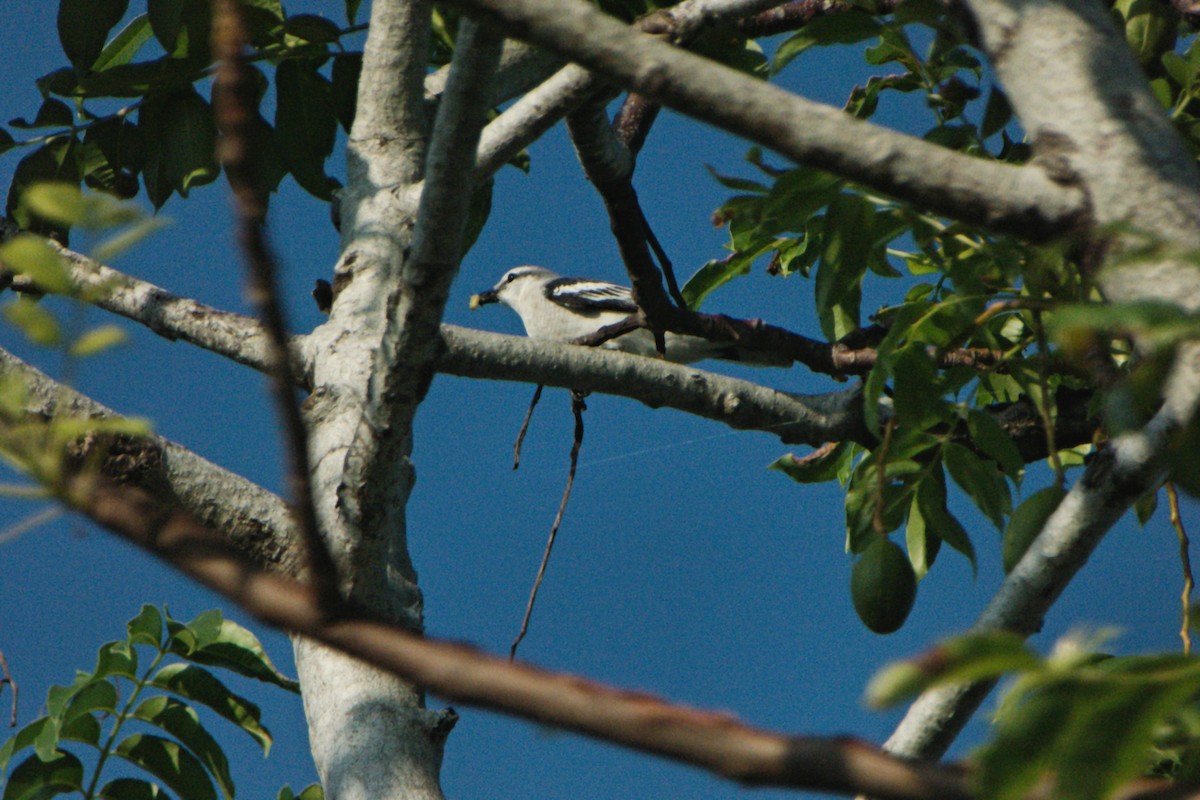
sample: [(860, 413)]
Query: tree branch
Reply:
[(521, 68), (1119, 474), (1096, 120), (235, 336), (1022, 200), (391, 120), (543, 107), (254, 520), (795, 419), (716, 742), (234, 104)]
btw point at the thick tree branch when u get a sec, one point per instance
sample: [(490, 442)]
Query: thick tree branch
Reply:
[(1021, 200), (257, 522), (522, 123), (521, 68), (235, 336), (410, 340), (797, 419), (354, 711), (391, 120)]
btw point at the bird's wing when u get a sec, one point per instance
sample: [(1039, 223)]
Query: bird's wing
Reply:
[(580, 294)]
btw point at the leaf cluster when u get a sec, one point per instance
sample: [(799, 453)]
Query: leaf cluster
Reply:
[(140, 707), (1082, 721), (130, 106)]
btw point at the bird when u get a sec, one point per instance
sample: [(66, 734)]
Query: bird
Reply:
[(565, 309)]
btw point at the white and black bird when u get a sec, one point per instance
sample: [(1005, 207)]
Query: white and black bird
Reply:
[(565, 309)]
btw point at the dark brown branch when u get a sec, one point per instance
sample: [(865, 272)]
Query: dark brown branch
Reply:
[(713, 741), (234, 103), (633, 122), (716, 742)]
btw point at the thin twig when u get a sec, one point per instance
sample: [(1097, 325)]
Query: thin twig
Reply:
[(577, 408), (234, 98), (1043, 402), (537, 395), (16, 692), (664, 263), (1185, 630)]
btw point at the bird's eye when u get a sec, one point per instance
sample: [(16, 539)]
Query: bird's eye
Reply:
[(510, 277)]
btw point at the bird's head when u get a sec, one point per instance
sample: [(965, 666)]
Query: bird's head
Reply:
[(512, 284)]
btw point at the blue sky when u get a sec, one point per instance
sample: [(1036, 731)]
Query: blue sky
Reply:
[(684, 568)]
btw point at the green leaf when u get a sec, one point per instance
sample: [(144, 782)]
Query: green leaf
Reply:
[(110, 248), (26, 737), (736, 183), (312, 28), (931, 498), (849, 228), (116, 658), (1027, 522), (181, 722), (314, 792), (146, 627), (180, 136), (918, 391), (347, 67), (38, 324), (807, 470), (920, 541), (982, 482), (97, 695), (1145, 507), (33, 257), (1181, 458), (215, 641), (120, 149), (58, 202), (97, 340), (305, 124), (844, 28), (53, 161), (199, 685), (963, 659), (34, 779), (996, 114), (132, 789), (992, 440), (883, 586), (125, 45), (181, 27), (168, 762), (51, 114), (83, 25)]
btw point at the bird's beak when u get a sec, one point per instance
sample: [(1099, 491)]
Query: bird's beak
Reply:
[(483, 298)]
